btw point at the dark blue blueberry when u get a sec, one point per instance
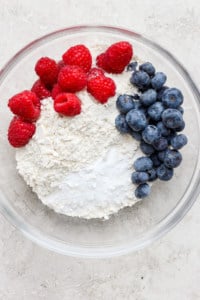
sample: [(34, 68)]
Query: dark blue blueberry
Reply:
[(172, 98), (125, 103), (149, 97), (181, 127), (158, 80), (161, 155), (173, 158), (136, 135), (164, 130), (160, 144), (136, 96), (148, 68), (139, 177), (143, 164), (160, 92), (150, 134), (164, 173), (155, 111), (181, 109), (172, 118), (155, 160), (179, 141), (121, 124), (136, 119), (143, 190), (141, 79), (146, 148), (169, 137), (132, 66), (152, 174)]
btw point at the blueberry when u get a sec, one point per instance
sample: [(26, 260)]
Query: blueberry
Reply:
[(125, 103), (164, 130), (136, 135), (143, 190), (181, 109), (139, 177), (172, 118), (148, 68), (181, 127), (155, 111), (150, 134), (158, 80), (152, 174), (172, 98), (136, 119), (161, 155), (149, 97), (179, 141), (164, 173), (143, 164), (169, 137), (155, 160), (160, 144), (132, 66), (138, 105), (121, 124), (146, 148), (141, 79), (173, 158), (160, 92)]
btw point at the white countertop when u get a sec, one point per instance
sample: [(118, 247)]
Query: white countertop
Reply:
[(170, 268)]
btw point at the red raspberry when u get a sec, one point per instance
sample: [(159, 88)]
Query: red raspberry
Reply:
[(60, 64), (72, 79), (20, 132), (78, 55), (47, 69), (26, 105), (67, 104), (95, 72), (116, 57), (40, 90), (101, 88), (56, 90)]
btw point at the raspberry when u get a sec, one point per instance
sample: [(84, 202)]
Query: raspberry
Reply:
[(101, 88), (95, 72), (20, 132), (47, 69), (116, 57), (40, 90), (78, 55), (56, 90), (67, 104), (26, 105), (72, 79), (60, 64)]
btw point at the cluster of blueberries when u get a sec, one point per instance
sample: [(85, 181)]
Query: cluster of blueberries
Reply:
[(154, 117)]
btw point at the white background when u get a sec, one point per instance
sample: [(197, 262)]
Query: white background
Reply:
[(168, 270)]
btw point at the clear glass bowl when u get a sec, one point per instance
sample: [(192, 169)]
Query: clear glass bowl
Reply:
[(132, 228)]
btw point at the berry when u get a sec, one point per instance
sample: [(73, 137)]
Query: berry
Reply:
[(125, 103), (67, 104), (56, 90), (155, 111), (72, 79), (161, 154), (78, 55), (136, 135), (40, 90), (121, 124), (47, 69), (148, 97), (146, 148), (181, 109), (179, 141), (164, 130), (132, 66), (95, 72), (160, 144), (139, 177), (172, 158), (148, 68), (152, 174), (141, 79), (160, 92), (143, 190), (101, 88), (156, 161), (158, 80), (102, 63), (143, 164), (25, 105), (150, 134), (136, 119), (164, 173), (172, 118), (181, 127), (172, 98), (60, 64), (20, 132)]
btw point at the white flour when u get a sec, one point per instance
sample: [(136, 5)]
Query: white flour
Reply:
[(81, 166)]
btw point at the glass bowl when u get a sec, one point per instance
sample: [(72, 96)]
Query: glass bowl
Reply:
[(132, 228)]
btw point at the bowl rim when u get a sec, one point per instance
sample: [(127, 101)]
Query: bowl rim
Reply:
[(161, 228)]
